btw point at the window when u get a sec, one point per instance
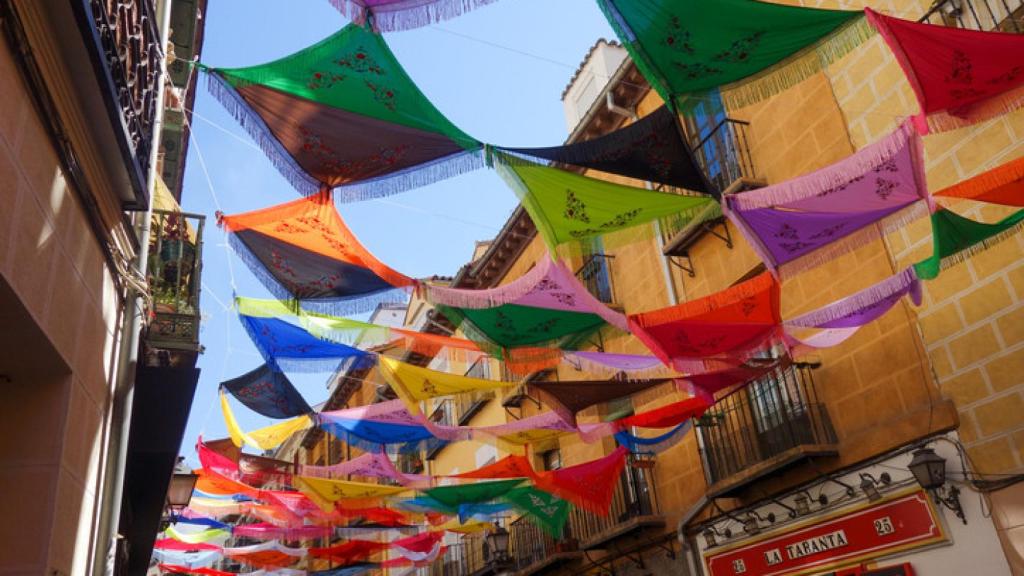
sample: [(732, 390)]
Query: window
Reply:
[(552, 459), (711, 139)]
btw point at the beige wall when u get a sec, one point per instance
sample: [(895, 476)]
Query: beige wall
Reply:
[(55, 268)]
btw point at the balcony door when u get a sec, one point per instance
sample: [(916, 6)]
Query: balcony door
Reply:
[(710, 138)]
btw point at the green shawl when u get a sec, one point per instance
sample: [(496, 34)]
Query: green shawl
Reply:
[(955, 238), (549, 511), (691, 46), (566, 206)]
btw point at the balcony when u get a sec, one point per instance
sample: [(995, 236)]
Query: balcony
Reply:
[(126, 51), (724, 156), (466, 558), (984, 15), (468, 405), (173, 272), (443, 415), (596, 276), (633, 513), (770, 424)]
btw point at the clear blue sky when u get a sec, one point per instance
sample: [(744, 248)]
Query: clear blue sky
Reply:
[(497, 72)]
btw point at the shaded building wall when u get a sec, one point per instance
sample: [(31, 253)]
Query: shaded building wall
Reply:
[(54, 270)]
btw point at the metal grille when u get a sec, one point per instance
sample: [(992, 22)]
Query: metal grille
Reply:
[(767, 417), (985, 15)]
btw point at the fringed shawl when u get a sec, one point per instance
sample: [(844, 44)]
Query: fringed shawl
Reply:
[(669, 415), (271, 553), (569, 398), (655, 444), (344, 111), (414, 384), (266, 531), (286, 346), (547, 306), (266, 438), (187, 561), (812, 219), (864, 306), (268, 393), (398, 15), (752, 50), (471, 493), (201, 571), (1003, 184), (955, 238), (547, 510), (733, 322), (590, 485), (959, 76), (650, 149), (568, 207), (303, 250)]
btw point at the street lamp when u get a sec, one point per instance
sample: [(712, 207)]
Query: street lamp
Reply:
[(929, 469), (868, 485), (497, 545), (179, 493)]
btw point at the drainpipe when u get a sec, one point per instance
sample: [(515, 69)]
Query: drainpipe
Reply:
[(114, 464), (673, 294)]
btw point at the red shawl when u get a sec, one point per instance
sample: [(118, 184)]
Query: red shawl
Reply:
[(668, 416), (590, 485), (512, 466), (733, 322), (959, 76)]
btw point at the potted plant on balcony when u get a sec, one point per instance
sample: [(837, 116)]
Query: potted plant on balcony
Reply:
[(175, 244)]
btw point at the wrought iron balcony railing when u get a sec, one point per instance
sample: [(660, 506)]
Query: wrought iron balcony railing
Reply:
[(443, 415), (769, 424), (634, 505), (127, 38), (985, 15), (724, 154), (174, 269), (467, 405), (596, 276)]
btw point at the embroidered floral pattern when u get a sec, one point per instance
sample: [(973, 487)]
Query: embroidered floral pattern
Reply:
[(382, 94), (840, 187), (962, 69), (619, 221), (678, 38), (740, 50), (361, 62), (696, 70), (884, 188), (575, 209), (324, 80), (329, 163), (828, 232)]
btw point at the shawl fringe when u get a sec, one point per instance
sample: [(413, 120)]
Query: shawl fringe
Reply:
[(411, 178), (331, 306), (799, 67), (966, 253), (807, 186), (855, 302), (592, 367), (855, 240), (490, 298), (986, 109), (975, 188), (258, 130), (407, 18)]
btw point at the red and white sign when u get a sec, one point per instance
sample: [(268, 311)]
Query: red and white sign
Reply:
[(904, 522)]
